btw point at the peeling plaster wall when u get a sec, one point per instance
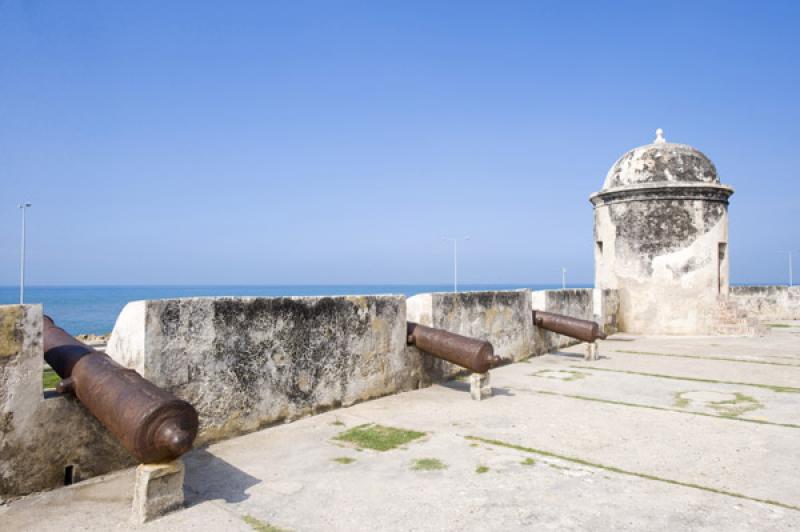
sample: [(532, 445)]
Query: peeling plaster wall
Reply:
[(768, 302), (502, 317), (665, 259), (245, 363), (40, 437)]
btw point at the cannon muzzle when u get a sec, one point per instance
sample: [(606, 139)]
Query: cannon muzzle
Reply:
[(470, 353), (585, 330), (151, 423)]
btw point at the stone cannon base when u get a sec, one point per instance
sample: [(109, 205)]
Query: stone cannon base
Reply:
[(158, 490)]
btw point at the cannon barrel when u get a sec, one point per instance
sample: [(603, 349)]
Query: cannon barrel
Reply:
[(585, 330), (151, 423), (470, 353)]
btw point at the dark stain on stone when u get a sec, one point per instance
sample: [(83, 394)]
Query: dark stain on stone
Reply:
[(6, 423), (653, 228), (301, 344), (672, 163), (690, 265), (170, 318)]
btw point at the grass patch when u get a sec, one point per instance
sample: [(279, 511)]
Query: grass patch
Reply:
[(698, 357), (428, 464), (260, 526), (779, 325), (378, 437), (528, 461), (620, 471), (49, 378), (573, 375), (680, 400), (344, 460), (780, 389), (736, 407), (481, 469), (729, 408), (664, 409)]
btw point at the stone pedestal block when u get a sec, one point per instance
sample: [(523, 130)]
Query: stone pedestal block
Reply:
[(479, 386), (158, 490), (592, 351)]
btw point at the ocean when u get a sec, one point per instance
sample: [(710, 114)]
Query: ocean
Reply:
[(94, 309)]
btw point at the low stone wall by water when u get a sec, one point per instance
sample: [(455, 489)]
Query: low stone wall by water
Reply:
[(768, 302), (245, 363)]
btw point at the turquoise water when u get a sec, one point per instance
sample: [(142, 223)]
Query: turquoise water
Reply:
[(94, 309)]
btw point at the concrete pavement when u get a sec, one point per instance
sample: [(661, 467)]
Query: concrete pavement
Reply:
[(689, 433)]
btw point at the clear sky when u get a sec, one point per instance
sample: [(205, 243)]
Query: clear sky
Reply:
[(338, 142)]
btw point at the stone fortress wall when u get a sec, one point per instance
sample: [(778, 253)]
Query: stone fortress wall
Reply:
[(247, 363), (768, 302)]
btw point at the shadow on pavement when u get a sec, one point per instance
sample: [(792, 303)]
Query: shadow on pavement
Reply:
[(209, 477), (462, 386)]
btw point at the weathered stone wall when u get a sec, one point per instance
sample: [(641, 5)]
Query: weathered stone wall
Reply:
[(249, 362), (40, 437), (768, 302), (606, 309), (601, 306), (503, 318), (245, 363)]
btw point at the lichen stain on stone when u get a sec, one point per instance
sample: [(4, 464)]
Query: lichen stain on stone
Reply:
[(653, 164), (652, 228), (694, 263), (10, 330), (311, 345)]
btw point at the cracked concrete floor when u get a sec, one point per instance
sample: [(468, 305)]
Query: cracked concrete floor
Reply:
[(690, 433)]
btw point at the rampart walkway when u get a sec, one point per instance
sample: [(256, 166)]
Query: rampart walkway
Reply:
[(671, 434)]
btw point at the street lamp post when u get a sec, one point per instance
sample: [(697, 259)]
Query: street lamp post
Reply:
[(563, 278), (23, 207), (455, 240)]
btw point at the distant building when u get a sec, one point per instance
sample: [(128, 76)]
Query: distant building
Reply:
[(661, 239)]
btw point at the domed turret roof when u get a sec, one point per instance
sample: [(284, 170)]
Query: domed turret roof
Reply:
[(661, 163)]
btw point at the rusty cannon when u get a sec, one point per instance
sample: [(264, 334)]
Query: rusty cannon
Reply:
[(470, 353), (584, 330), (151, 423)]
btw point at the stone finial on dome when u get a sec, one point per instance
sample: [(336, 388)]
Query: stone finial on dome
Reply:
[(660, 137)]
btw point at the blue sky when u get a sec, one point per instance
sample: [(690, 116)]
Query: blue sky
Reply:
[(338, 142)]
